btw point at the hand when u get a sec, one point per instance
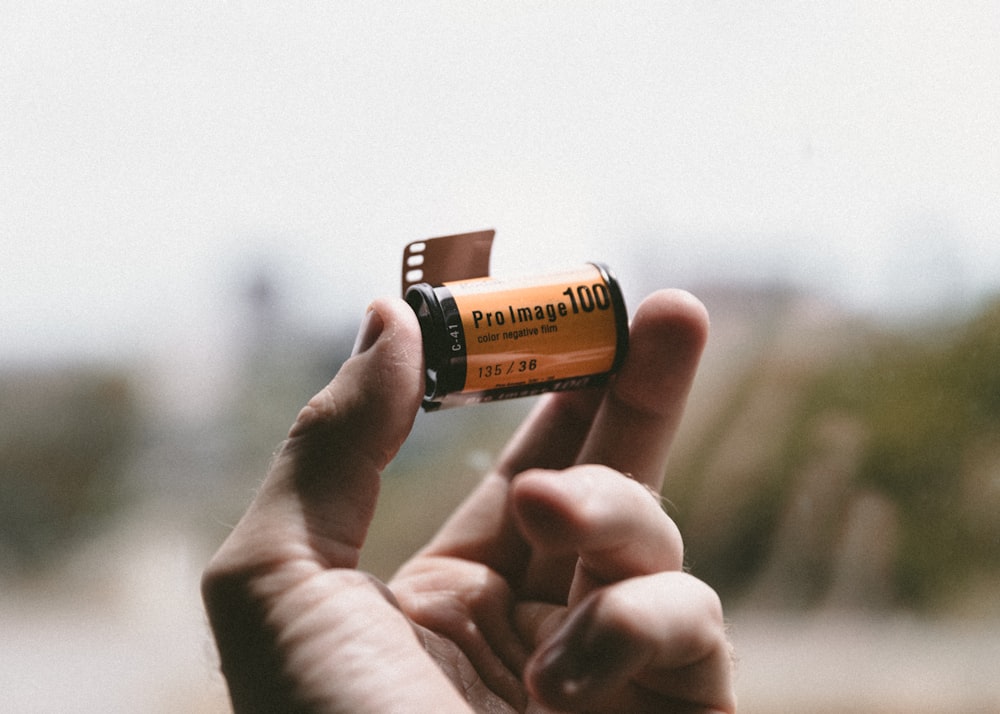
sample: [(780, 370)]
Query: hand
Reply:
[(556, 586)]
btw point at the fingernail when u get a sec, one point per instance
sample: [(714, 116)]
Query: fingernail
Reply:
[(368, 334), (563, 671), (581, 659)]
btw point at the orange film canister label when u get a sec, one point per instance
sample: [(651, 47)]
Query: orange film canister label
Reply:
[(487, 339)]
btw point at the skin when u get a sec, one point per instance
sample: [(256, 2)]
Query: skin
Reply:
[(556, 586)]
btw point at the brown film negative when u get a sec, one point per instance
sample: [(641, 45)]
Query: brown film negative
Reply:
[(436, 261)]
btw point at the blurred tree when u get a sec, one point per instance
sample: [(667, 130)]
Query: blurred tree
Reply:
[(875, 467), (65, 440)]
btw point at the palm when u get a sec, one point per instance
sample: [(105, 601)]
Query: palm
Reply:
[(462, 612), (474, 597)]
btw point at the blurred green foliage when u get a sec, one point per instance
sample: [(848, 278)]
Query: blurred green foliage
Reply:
[(932, 408), (65, 438), (909, 422)]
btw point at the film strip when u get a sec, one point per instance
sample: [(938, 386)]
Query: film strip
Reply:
[(436, 261)]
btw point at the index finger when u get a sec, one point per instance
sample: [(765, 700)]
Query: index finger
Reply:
[(631, 428), (638, 418)]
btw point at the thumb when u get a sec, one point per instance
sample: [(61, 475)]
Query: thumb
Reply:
[(361, 418), (320, 492), (313, 510), (347, 433)]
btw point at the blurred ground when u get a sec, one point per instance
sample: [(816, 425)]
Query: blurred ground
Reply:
[(847, 663), (117, 627)]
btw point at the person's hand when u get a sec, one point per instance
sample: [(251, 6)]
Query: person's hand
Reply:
[(558, 585)]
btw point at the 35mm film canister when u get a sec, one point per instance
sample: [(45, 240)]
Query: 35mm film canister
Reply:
[(488, 339)]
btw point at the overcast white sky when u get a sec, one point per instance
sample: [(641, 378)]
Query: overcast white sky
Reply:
[(153, 153)]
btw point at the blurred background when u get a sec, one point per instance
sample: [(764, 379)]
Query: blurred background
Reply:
[(198, 200)]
